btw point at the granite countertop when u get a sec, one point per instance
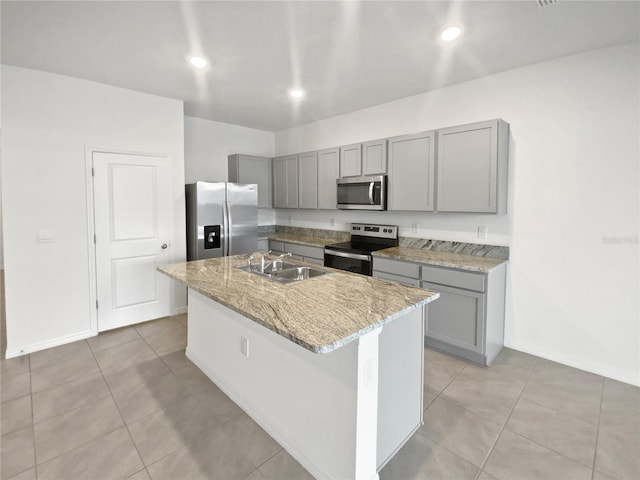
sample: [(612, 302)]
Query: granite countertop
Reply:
[(321, 314), (302, 240), (441, 259)]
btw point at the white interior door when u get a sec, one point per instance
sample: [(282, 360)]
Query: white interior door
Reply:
[(132, 202)]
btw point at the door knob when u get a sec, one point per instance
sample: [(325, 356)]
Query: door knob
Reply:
[(164, 246)]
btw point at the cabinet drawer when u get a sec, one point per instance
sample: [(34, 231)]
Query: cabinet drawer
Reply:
[(395, 267), (455, 278), (276, 246), (411, 282), (304, 250)]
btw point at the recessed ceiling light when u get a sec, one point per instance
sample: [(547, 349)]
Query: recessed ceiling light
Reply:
[(296, 93), (451, 33), (198, 62)]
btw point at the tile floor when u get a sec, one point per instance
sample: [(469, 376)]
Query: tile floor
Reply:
[(129, 404)]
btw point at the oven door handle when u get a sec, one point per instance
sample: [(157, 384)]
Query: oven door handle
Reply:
[(371, 185), (355, 256)]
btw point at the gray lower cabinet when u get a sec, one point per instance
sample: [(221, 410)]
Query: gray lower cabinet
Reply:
[(328, 173), (411, 166), (472, 167), (297, 251), (285, 181), (468, 318), (252, 169), (263, 244)]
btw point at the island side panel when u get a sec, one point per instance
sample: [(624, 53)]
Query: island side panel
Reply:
[(308, 402), (401, 382)]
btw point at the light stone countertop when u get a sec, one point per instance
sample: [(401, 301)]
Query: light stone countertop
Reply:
[(309, 241), (321, 314), (441, 259)]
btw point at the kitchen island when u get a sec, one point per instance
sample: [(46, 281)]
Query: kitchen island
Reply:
[(331, 366)]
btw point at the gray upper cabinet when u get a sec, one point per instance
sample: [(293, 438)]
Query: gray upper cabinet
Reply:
[(351, 160), (374, 157), (328, 171), (412, 172), (251, 169), (472, 167), (285, 182), (308, 180)]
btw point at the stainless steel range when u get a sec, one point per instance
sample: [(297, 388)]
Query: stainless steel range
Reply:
[(355, 255)]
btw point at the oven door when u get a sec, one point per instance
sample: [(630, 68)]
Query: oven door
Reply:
[(351, 262)]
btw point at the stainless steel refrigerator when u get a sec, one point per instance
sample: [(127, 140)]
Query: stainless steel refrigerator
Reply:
[(222, 219)]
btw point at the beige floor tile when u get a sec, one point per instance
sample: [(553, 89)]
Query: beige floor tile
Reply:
[(75, 428), (130, 377), (509, 364), (183, 319), (427, 398), (15, 386), (420, 458), (141, 475), (177, 361), (16, 414), (600, 476), (112, 457), (485, 476), (26, 475), (14, 366), (44, 358), (565, 389), (491, 398), (515, 457), (66, 370), (283, 466), (166, 325), (17, 453), (230, 451), (169, 341), (76, 393), (123, 356), (148, 397), (618, 452), (459, 431), (112, 338), (440, 369), (557, 431), (165, 431)]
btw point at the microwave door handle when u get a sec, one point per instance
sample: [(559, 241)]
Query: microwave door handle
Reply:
[(371, 184)]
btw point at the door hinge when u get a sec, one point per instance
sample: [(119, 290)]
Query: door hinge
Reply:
[(96, 304), (93, 172), (94, 238)]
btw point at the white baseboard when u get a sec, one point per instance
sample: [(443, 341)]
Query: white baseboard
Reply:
[(55, 342), (621, 376), (180, 310)]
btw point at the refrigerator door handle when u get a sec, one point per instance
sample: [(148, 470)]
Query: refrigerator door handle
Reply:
[(225, 227), (228, 228)]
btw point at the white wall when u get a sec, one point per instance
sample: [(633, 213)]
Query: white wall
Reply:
[(207, 144), (48, 120), (574, 156)]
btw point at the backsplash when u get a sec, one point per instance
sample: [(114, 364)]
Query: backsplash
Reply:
[(474, 249)]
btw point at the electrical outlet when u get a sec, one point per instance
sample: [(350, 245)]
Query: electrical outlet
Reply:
[(482, 232), (244, 346), (333, 222), (414, 228), (289, 219)]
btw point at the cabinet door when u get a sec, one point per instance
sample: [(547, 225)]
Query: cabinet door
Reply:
[(468, 167), (292, 181), (328, 171), (457, 317), (308, 180), (251, 169), (279, 183), (351, 160), (374, 157), (411, 172)]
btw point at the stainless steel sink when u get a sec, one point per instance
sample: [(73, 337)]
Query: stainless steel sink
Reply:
[(283, 272), (297, 274)]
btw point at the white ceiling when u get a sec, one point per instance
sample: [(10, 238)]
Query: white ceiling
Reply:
[(346, 55)]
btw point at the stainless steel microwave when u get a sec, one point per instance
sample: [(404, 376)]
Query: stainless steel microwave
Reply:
[(362, 193)]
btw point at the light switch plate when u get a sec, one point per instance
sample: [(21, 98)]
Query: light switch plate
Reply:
[(482, 232)]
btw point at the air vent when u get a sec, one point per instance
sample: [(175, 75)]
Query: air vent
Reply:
[(546, 3)]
